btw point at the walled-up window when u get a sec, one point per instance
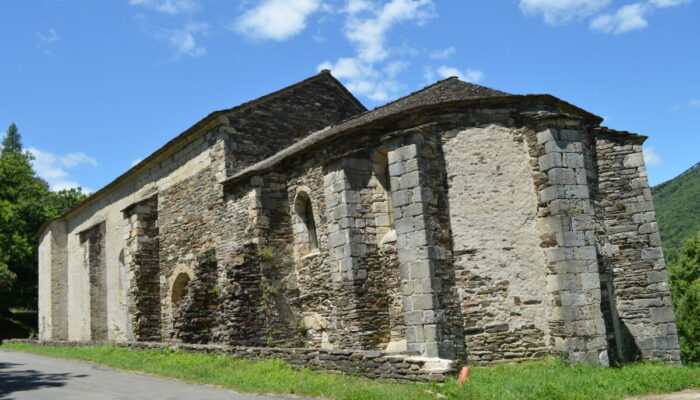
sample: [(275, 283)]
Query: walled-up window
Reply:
[(306, 225), (179, 286), (122, 275)]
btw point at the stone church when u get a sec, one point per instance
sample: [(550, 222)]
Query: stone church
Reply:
[(456, 223)]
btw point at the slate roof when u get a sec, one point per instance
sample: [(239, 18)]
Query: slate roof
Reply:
[(196, 130), (445, 91)]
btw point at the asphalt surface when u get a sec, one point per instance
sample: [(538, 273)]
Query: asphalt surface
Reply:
[(28, 376)]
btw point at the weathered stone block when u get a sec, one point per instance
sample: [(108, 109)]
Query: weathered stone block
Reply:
[(573, 160), (421, 269), (657, 276), (563, 146), (561, 176), (661, 314), (410, 180), (652, 253), (423, 301), (549, 161), (547, 135), (634, 160), (570, 135), (401, 198), (648, 228)]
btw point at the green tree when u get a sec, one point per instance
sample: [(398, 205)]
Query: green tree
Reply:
[(25, 204), (63, 200), (684, 274), (22, 211), (12, 142), (7, 281)]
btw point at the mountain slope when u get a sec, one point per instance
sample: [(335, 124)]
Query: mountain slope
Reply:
[(678, 207)]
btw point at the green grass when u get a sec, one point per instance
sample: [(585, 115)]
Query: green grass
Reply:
[(541, 380)]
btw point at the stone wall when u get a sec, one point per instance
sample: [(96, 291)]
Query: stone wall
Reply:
[(639, 281), (142, 255), (361, 272), (53, 278), (266, 127), (93, 243), (498, 261), (418, 182), (559, 143), (231, 140), (366, 363), (483, 234)]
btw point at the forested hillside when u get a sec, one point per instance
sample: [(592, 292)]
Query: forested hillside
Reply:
[(678, 214), (678, 208)]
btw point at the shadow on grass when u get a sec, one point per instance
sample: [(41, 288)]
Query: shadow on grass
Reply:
[(13, 379)]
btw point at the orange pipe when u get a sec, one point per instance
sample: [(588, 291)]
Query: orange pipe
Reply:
[(463, 375)]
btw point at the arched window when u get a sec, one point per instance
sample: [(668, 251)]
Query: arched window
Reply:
[(178, 291), (306, 225)]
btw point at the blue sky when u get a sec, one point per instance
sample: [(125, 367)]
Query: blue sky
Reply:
[(95, 86)]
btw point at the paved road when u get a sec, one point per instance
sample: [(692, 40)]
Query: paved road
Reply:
[(27, 376), (690, 394)]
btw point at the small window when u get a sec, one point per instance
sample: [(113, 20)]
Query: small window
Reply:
[(306, 224)]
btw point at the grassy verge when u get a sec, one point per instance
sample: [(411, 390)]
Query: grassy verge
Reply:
[(540, 380)]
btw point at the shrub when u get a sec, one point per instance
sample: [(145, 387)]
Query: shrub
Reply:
[(266, 254), (684, 275)]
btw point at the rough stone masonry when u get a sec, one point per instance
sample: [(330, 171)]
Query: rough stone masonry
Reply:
[(458, 224)]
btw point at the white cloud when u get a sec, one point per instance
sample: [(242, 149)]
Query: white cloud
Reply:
[(690, 104), (367, 27), (136, 161), (357, 6), (558, 12), (374, 69), (276, 19), (631, 17), (628, 18), (168, 6), (362, 78), (443, 72), (668, 3), (442, 54), (394, 68), (183, 42), (650, 156), (53, 168), (45, 40)]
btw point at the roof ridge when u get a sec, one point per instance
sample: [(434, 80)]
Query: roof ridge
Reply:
[(258, 100), (389, 103), (441, 81), (181, 137)]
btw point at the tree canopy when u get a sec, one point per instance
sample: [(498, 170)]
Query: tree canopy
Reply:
[(684, 274), (25, 203), (12, 142)]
